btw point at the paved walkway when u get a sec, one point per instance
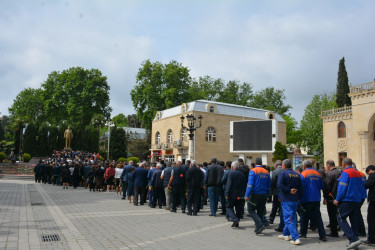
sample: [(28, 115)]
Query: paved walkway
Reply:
[(88, 220)]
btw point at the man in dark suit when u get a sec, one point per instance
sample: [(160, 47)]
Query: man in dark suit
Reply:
[(234, 194), (177, 185), (194, 178), (140, 183), (214, 175), (124, 177)]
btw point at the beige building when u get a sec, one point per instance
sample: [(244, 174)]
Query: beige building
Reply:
[(350, 131), (215, 137)]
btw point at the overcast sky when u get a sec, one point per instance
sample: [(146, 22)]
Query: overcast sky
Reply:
[(291, 45)]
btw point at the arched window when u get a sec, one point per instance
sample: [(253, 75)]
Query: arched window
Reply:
[(169, 136), (157, 116), (212, 109), (210, 134), (183, 134), (183, 109), (341, 130), (157, 138), (271, 116)]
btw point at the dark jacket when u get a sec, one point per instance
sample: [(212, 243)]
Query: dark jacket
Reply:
[(236, 185), (275, 175), (287, 180), (178, 177), (214, 175), (167, 175), (91, 174), (140, 177), (370, 185), (155, 179), (124, 174), (330, 184), (194, 177)]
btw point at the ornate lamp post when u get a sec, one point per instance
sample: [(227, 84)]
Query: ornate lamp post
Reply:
[(192, 126), (109, 124)]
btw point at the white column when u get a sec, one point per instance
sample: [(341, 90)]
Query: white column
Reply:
[(191, 150), (364, 150), (264, 159)]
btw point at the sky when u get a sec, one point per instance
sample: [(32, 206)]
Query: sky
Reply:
[(290, 45)]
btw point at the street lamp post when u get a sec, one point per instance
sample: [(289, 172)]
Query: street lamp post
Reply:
[(109, 124), (192, 126)]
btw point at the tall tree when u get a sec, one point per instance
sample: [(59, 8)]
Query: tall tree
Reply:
[(159, 87), (293, 133), (28, 103), (271, 99), (312, 124), (120, 120), (75, 96), (281, 152), (117, 143), (342, 87), (236, 93), (97, 121), (206, 88), (30, 139)]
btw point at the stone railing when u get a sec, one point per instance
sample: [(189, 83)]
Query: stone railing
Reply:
[(362, 87), (345, 109)]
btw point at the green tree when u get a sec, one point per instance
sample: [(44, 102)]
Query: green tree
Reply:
[(133, 121), (159, 87), (342, 87), (53, 139), (97, 121), (120, 120), (43, 140), (30, 138), (117, 143), (206, 88), (75, 95), (281, 152), (312, 124), (271, 99), (28, 103), (236, 93), (293, 134), (139, 147)]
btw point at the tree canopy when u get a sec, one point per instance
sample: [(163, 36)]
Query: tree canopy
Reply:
[(312, 124), (342, 87)]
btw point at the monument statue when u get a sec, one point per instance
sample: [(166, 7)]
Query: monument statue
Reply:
[(68, 135)]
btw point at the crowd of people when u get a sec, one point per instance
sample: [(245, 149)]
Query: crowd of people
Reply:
[(295, 194)]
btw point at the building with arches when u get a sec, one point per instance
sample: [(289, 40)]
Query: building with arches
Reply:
[(171, 143), (350, 131)]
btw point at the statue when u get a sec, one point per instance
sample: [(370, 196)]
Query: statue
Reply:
[(68, 135)]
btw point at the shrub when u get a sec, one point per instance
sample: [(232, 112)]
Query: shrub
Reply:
[(2, 156), (26, 157), (121, 159), (134, 159)]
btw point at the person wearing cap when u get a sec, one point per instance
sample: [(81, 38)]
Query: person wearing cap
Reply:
[(257, 190), (214, 175), (275, 191)]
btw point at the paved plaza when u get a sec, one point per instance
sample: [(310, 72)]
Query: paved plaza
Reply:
[(81, 219)]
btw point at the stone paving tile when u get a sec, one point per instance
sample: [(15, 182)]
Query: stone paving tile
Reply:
[(92, 220)]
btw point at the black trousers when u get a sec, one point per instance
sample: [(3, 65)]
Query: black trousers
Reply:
[(193, 200), (178, 194), (157, 196), (235, 208), (332, 214), (371, 221), (139, 191), (275, 206)]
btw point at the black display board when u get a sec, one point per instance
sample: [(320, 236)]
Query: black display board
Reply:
[(252, 136)]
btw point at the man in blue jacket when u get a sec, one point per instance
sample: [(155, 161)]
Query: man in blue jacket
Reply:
[(140, 183), (124, 177), (312, 183), (290, 192), (257, 190), (349, 200)]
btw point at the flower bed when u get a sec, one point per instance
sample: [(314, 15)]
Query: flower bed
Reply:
[(17, 169)]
